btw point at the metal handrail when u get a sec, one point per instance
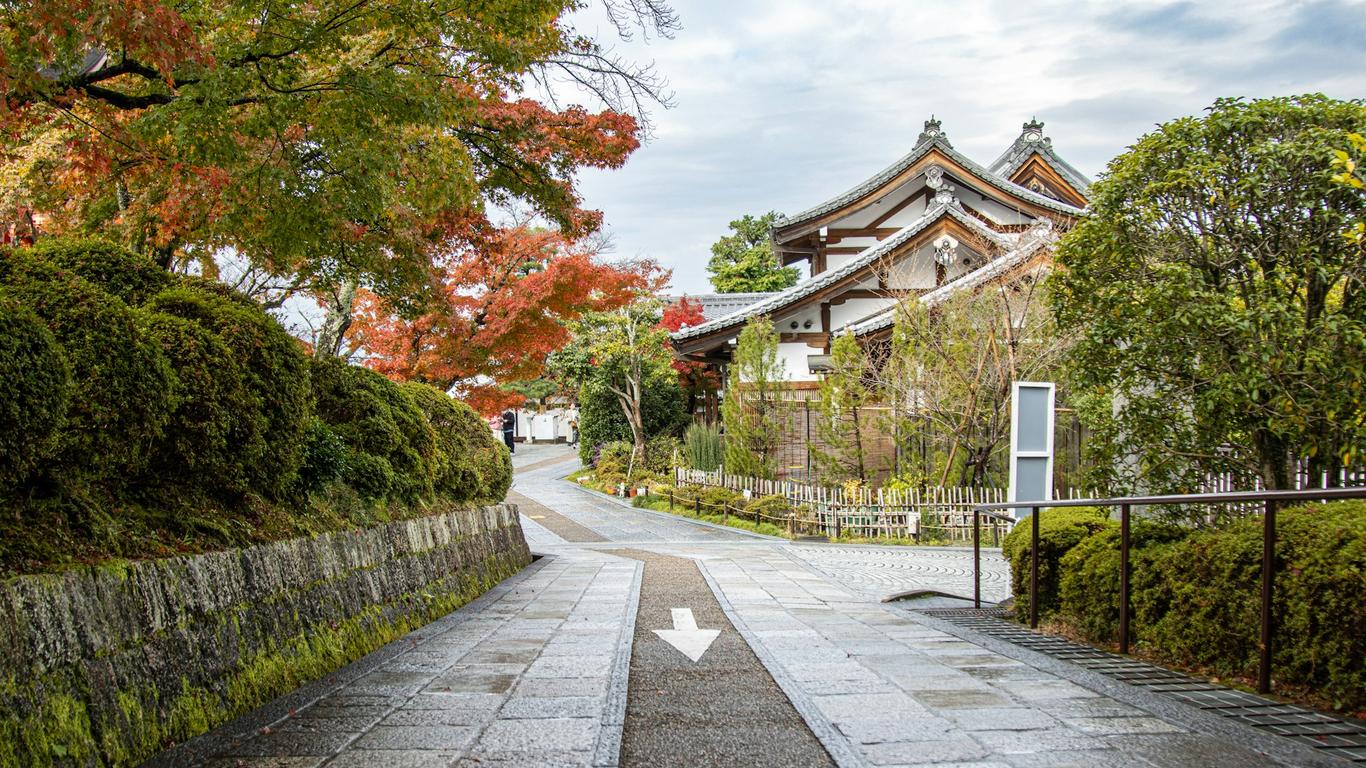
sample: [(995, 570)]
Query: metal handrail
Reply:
[(1269, 499)]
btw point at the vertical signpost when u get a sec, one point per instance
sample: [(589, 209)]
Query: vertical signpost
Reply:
[(1031, 466), (1031, 443)]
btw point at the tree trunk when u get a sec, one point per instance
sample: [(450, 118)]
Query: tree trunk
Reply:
[(1271, 460), (337, 321)]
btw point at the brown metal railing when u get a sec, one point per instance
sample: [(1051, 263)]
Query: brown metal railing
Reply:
[(1270, 500)]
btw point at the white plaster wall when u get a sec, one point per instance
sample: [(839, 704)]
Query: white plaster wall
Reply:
[(856, 309), (783, 324), (793, 356)]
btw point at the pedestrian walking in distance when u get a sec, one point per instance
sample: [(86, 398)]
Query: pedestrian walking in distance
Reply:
[(509, 426)]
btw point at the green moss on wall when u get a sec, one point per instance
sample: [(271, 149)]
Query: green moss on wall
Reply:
[(61, 726)]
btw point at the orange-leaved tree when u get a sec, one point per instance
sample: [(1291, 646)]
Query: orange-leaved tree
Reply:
[(502, 304), (697, 379), (334, 143)]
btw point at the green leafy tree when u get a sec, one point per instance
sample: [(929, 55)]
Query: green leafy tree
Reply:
[(1220, 311), (743, 262), (950, 369), (749, 411), (839, 449), (624, 353), (1350, 161), (329, 141)]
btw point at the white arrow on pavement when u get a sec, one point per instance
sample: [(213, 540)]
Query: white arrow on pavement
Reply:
[(686, 637)]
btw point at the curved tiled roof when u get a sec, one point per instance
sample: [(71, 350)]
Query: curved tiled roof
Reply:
[(923, 148), (777, 301), (1028, 246)]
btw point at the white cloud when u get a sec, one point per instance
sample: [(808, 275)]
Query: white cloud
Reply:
[(783, 103)]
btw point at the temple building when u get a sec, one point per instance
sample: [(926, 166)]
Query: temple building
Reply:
[(932, 223)]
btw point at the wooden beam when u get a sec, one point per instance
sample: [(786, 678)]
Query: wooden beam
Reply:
[(894, 210), (878, 232)]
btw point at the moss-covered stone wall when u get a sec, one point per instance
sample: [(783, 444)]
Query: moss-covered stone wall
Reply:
[(109, 665)]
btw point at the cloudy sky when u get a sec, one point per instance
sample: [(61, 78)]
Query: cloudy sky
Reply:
[(781, 104)]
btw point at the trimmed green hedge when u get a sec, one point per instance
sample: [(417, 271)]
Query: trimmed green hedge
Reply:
[(1196, 595), (123, 387), (37, 391), (1201, 604), (269, 436), (149, 414), (1089, 588), (391, 447), (1060, 529), (471, 464), (198, 449), (130, 277)]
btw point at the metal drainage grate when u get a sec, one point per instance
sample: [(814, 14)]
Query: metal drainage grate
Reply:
[(1340, 738)]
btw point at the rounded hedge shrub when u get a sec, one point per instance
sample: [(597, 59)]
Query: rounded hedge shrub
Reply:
[(392, 451), (269, 436), (1089, 587), (131, 277), (470, 463), (198, 448), (123, 388), (324, 457), (37, 390), (1060, 529), (1199, 602)]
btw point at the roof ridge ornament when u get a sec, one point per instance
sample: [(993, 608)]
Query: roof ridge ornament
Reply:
[(945, 196), (933, 130)]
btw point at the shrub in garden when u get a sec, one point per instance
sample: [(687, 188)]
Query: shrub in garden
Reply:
[(1198, 604), (269, 436), (197, 448), (37, 389), (1089, 587), (660, 454), (122, 394), (1060, 530), (392, 449), (703, 447), (470, 463), (324, 457), (770, 509), (129, 276)]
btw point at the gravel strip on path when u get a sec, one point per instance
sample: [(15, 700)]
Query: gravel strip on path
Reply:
[(723, 710)]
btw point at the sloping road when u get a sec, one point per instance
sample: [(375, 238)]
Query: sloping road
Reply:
[(806, 666)]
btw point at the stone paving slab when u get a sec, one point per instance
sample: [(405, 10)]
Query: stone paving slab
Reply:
[(526, 681)]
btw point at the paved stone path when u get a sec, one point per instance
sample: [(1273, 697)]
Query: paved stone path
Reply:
[(536, 672)]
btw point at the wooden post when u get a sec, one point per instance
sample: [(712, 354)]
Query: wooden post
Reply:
[(1124, 578)]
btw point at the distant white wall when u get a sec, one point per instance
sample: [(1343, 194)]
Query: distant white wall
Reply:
[(793, 356)]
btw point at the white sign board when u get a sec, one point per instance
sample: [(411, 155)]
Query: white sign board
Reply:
[(1031, 442)]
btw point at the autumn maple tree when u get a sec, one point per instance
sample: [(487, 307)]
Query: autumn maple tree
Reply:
[(503, 305), (329, 141), (697, 379)]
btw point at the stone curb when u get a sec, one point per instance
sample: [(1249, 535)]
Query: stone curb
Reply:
[(608, 752), (825, 731), (1275, 747), (201, 748)]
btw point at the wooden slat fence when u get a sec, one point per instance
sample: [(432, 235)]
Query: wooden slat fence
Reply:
[(939, 513)]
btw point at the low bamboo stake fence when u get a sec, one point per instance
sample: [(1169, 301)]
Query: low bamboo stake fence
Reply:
[(911, 513)]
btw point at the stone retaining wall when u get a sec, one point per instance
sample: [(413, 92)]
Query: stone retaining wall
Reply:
[(109, 665)]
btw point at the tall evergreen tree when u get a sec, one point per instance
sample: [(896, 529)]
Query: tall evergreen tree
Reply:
[(743, 262), (839, 452), (750, 409)]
